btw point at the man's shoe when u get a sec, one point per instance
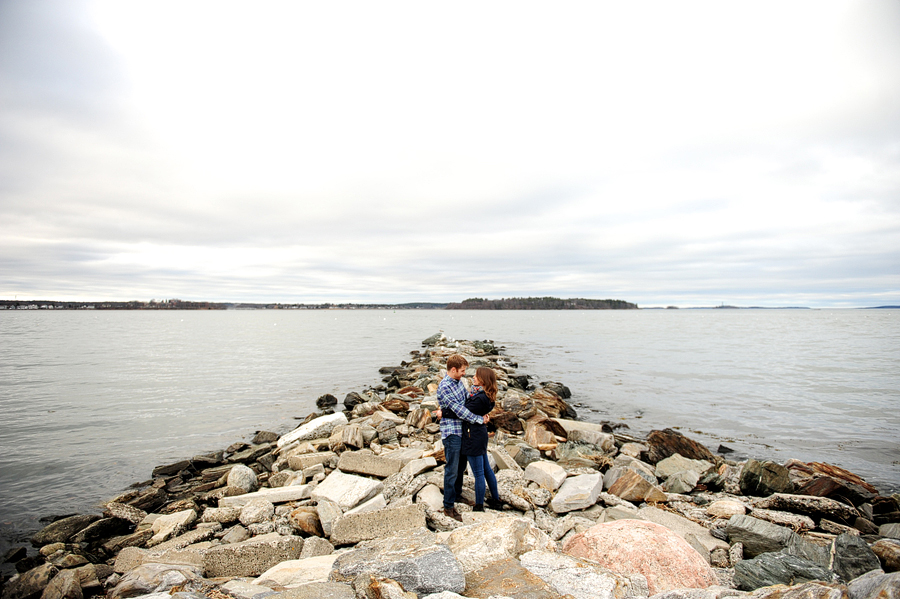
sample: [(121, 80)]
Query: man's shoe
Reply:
[(451, 511), (460, 499)]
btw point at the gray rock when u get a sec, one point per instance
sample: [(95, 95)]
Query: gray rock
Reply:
[(811, 552), (153, 578), (681, 482), (258, 510), (580, 578), (222, 515), (875, 585), (353, 528), (714, 592), (853, 557), (346, 490), (764, 478), (64, 585), (245, 590), (319, 590), (264, 528), (315, 546), (251, 557), (757, 536), (366, 462), (677, 463), (890, 531), (236, 534), (777, 568), (243, 478), (61, 530), (30, 584), (413, 559), (577, 493), (320, 428)]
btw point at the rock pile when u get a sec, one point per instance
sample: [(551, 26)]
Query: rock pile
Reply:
[(349, 505)]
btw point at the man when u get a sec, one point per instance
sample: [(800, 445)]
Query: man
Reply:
[(452, 397)]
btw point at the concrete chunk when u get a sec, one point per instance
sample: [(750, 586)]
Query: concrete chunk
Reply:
[(251, 557), (316, 429), (549, 475), (276, 495), (577, 493), (346, 490), (366, 462), (353, 528)]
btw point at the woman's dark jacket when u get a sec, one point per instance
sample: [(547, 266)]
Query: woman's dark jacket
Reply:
[(475, 436)]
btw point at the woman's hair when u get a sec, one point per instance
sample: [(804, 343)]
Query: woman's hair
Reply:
[(488, 379)]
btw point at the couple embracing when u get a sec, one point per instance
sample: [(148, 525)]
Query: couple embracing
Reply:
[(464, 433)]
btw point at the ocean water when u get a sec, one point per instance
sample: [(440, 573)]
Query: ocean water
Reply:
[(91, 401)]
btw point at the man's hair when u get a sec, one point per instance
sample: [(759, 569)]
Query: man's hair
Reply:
[(456, 361)]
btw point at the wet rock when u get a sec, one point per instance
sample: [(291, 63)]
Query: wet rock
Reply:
[(761, 479), (103, 528), (64, 585), (243, 478), (251, 557), (635, 546), (326, 401), (631, 486), (297, 572), (61, 530), (853, 557), (888, 552), (30, 584), (507, 578), (757, 536), (482, 543), (580, 578), (171, 469), (319, 428), (413, 559), (153, 578), (875, 585), (668, 442), (777, 568)]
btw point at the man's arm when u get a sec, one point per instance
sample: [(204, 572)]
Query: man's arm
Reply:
[(456, 403)]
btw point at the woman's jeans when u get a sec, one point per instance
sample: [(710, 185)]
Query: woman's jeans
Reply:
[(481, 470)]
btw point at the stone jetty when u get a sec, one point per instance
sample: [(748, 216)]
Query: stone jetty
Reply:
[(348, 505)]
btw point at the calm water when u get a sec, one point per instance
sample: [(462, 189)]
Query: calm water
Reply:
[(92, 401)]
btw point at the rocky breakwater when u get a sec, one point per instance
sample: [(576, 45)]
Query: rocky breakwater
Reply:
[(349, 505)]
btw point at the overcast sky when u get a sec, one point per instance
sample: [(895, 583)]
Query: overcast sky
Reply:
[(685, 153)]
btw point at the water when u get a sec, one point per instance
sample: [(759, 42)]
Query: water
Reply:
[(92, 401)]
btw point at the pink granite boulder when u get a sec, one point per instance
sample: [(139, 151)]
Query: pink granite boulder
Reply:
[(639, 547)]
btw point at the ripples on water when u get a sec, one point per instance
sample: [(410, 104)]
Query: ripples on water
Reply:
[(92, 401)]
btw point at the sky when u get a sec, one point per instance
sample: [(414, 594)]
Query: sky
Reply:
[(663, 153)]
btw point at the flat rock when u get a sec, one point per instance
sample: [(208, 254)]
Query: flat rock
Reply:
[(580, 578), (123, 511), (678, 463), (346, 490), (807, 590), (353, 528), (757, 536), (875, 585), (319, 590), (576, 493), (777, 568), (318, 428), (241, 589), (761, 479), (631, 486), (250, 557), (668, 442), (413, 559), (171, 525), (890, 530), (798, 522), (153, 578), (853, 557), (634, 546), (545, 473), (30, 584), (256, 511), (303, 461), (417, 467), (276, 495), (805, 504), (61, 530), (478, 544), (296, 572), (507, 578), (366, 462)]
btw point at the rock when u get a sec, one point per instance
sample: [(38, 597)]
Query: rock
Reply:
[(690, 531), (64, 585), (319, 590), (821, 506), (376, 503), (888, 552), (251, 557), (681, 482), (320, 428), (726, 508), (576, 493), (677, 463), (431, 496), (315, 547), (124, 511), (631, 486), (326, 401), (875, 585), (70, 560), (170, 525), (258, 510), (153, 578), (412, 558), (346, 490), (30, 584), (90, 575), (757, 536), (503, 459), (507, 578), (276, 495), (306, 520), (353, 528), (417, 467), (478, 544), (243, 478), (635, 546), (296, 572), (366, 462), (236, 534), (328, 513), (241, 589), (807, 590), (547, 474), (853, 557), (222, 515), (353, 399), (524, 455), (307, 460), (835, 528), (603, 441), (797, 522), (890, 531), (61, 530), (764, 478), (769, 569), (668, 442), (580, 578), (382, 588)]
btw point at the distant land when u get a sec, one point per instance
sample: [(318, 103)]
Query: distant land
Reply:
[(513, 303)]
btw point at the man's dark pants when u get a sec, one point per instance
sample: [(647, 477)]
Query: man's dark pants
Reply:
[(454, 469)]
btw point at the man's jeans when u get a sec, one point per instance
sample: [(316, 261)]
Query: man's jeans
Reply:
[(454, 469)]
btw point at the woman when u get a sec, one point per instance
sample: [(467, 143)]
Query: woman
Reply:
[(475, 437)]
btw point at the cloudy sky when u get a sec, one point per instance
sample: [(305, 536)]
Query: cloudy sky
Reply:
[(685, 153)]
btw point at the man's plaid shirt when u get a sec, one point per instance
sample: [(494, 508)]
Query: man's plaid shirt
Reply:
[(452, 394)]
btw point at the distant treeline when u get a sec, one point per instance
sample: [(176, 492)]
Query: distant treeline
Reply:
[(173, 304), (541, 303)]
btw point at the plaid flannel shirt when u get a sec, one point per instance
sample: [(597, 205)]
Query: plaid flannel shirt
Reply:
[(452, 394)]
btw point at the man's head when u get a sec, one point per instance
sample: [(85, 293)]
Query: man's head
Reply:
[(456, 366)]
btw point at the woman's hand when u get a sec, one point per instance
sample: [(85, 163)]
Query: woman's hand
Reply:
[(437, 414)]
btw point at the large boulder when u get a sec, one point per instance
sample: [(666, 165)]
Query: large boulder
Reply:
[(61, 530), (346, 490), (251, 557), (30, 584), (65, 585), (638, 547), (777, 568), (363, 526), (243, 478), (581, 578), (414, 559), (477, 545), (668, 442)]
